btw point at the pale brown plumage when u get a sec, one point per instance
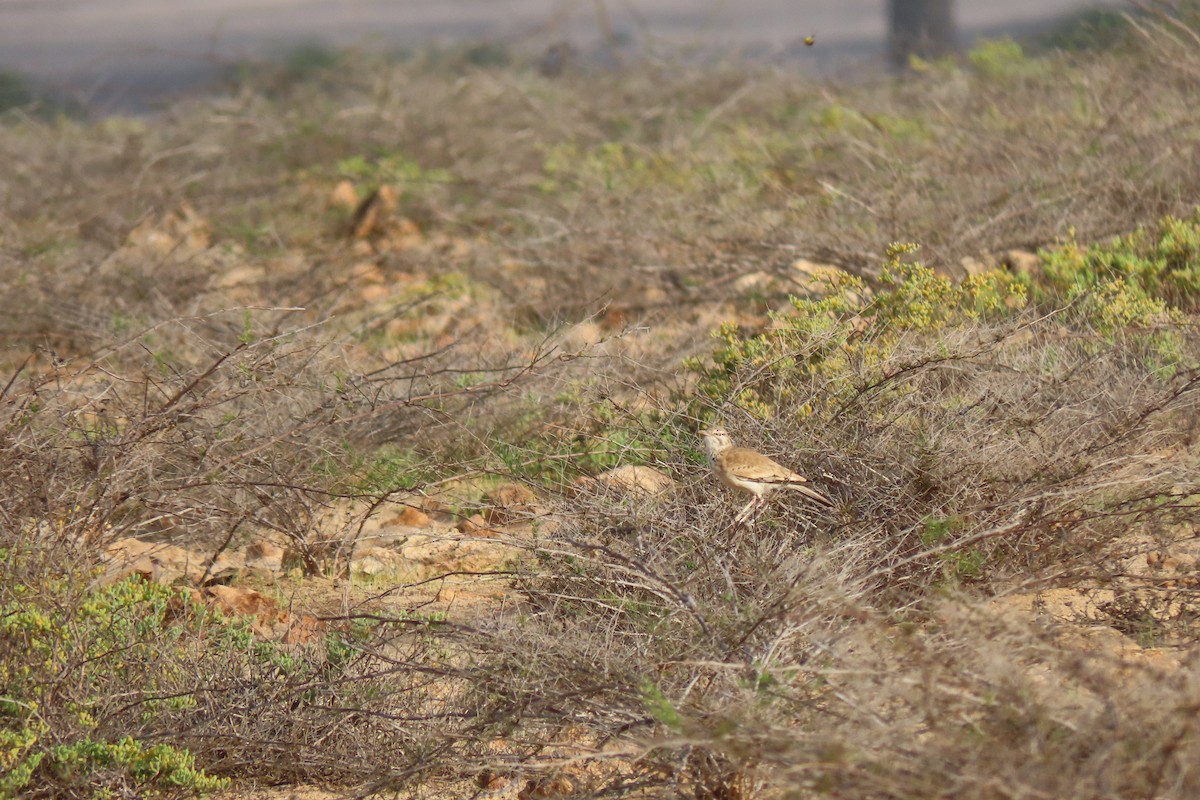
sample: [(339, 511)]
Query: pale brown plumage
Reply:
[(750, 471)]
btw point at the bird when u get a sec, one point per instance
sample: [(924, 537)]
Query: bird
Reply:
[(750, 471)]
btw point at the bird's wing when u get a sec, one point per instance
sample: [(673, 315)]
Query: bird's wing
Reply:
[(751, 465)]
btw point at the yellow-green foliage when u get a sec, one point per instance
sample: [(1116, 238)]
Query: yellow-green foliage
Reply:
[(1134, 287), (157, 770), (615, 166), (841, 119), (1161, 261), (660, 707), (1131, 288), (1118, 305), (65, 651), (993, 60), (390, 169), (827, 341), (997, 59)]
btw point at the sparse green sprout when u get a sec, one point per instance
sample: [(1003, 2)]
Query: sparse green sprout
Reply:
[(660, 706), (247, 336), (998, 59)]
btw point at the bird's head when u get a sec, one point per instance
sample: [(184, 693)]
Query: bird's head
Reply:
[(716, 440)]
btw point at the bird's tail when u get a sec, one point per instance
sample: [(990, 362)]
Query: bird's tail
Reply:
[(812, 494)]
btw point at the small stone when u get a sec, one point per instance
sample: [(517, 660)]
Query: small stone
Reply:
[(244, 602), (162, 563), (343, 196), (410, 518), (972, 266), (490, 781), (559, 786), (265, 555), (507, 502), (812, 276), (370, 214), (376, 561), (1021, 262), (293, 629), (373, 293), (752, 282), (475, 525), (226, 565), (636, 480), (582, 335)]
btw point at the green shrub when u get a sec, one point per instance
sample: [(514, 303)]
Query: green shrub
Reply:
[(1135, 287), (1161, 261), (997, 59), (66, 651), (15, 91), (155, 771), (823, 341)]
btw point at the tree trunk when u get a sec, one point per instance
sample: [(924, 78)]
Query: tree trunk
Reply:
[(922, 28)]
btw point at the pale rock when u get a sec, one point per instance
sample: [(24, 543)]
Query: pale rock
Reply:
[(264, 555), (377, 561), (475, 525), (162, 563), (410, 518), (241, 602), (343, 196), (1021, 262), (756, 281), (507, 502), (811, 276), (636, 481)]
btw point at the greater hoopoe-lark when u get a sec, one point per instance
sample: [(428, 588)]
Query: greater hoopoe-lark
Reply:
[(750, 471)]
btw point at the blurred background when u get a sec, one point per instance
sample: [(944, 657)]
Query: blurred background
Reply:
[(132, 56)]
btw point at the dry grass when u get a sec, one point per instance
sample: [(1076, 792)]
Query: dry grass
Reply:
[(870, 651), (196, 351)]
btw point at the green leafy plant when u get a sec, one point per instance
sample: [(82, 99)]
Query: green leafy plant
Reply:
[(390, 168), (1004, 58), (821, 341), (1161, 261), (63, 653)]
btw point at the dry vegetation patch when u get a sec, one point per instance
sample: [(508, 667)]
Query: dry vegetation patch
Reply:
[(348, 437)]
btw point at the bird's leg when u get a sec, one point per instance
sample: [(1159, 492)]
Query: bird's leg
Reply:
[(746, 512)]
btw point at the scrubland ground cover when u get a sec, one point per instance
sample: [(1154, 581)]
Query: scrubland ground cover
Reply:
[(433, 290)]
